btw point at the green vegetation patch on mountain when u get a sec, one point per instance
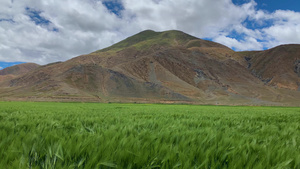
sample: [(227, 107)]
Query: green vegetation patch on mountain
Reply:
[(146, 39)]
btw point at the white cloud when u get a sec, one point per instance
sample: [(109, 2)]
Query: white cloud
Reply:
[(203, 18), (248, 43), (285, 30), (82, 28), (86, 26)]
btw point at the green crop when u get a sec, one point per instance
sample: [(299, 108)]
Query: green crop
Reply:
[(91, 135)]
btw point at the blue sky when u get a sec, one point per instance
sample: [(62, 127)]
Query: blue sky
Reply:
[(35, 16), (8, 64), (52, 30), (273, 5), (114, 6)]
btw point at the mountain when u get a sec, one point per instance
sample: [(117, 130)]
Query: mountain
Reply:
[(166, 67), (278, 67), (17, 70)]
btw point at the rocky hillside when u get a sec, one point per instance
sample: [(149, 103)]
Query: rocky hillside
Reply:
[(277, 67), (17, 70), (166, 67)]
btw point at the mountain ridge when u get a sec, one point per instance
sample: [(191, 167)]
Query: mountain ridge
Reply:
[(166, 67)]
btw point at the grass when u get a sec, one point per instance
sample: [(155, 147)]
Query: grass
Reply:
[(146, 39), (90, 135)]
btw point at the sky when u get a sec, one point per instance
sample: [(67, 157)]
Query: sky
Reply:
[(45, 31)]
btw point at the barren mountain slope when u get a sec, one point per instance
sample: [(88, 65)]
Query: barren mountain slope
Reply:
[(16, 70), (278, 67), (153, 66)]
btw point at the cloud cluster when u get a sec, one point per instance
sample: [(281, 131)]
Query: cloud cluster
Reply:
[(48, 31), (52, 30)]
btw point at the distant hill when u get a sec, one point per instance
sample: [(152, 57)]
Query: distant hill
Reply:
[(19, 69), (16, 70), (166, 67)]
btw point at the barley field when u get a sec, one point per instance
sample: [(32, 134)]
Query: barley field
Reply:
[(92, 135)]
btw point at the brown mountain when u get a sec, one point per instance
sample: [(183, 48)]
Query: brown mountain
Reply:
[(278, 67), (166, 66), (17, 70)]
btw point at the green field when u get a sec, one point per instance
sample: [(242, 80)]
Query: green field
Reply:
[(91, 135)]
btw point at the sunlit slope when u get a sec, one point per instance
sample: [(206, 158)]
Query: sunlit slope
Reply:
[(169, 66)]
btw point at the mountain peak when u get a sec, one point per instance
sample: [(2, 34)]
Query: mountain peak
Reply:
[(147, 38)]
